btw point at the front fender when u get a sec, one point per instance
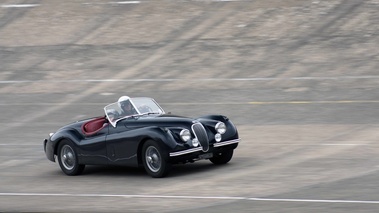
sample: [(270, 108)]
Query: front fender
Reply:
[(222, 118), (162, 136), (211, 120), (70, 134)]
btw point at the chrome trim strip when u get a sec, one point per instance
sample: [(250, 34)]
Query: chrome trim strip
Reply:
[(224, 143), (187, 151)]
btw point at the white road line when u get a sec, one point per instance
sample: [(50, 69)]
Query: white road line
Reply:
[(336, 78), (126, 2), (342, 144), (192, 197), (18, 5), (214, 0), (138, 2), (313, 102), (226, 0), (316, 201), (113, 2)]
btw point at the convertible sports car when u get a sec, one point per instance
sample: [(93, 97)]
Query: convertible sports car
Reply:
[(137, 132)]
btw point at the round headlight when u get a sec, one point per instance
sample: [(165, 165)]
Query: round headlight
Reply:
[(220, 127), (195, 142), (185, 135), (218, 137)]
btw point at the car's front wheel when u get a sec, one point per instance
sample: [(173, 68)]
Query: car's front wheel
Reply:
[(222, 157), (68, 159), (154, 162)]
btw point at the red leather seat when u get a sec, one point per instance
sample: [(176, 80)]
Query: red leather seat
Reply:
[(93, 126)]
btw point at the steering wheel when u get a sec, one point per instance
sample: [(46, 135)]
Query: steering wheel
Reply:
[(145, 109)]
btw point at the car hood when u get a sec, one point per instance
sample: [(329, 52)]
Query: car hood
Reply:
[(168, 120), (163, 120)]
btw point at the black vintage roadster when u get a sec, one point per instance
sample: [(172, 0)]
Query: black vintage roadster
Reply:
[(137, 132)]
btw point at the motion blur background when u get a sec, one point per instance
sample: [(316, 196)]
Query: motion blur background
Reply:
[(299, 78)]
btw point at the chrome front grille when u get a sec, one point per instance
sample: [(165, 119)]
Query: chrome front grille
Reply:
[(200, 133)]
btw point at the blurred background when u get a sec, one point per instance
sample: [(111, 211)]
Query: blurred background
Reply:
[(299, 78)]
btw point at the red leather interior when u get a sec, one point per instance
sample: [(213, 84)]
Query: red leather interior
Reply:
[(93, 126)]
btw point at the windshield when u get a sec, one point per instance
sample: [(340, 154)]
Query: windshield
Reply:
[(131, 107)]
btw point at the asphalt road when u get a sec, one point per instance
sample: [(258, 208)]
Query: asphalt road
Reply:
[(299, 79)]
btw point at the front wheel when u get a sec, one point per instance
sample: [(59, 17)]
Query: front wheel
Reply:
[(222, 157), (154, 162), (68, 159)]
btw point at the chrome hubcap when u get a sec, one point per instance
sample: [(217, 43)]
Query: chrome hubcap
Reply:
[(153, 159), (67, 157)]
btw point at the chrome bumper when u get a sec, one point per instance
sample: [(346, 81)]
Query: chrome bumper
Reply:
[(219, 144)]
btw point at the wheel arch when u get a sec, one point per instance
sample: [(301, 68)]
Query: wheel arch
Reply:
[(67, 156), (139, 150), (162, 136), (69, 134)]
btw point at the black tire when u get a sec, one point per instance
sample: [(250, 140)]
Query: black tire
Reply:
[(68, 158), (222, 157), (154, 161)]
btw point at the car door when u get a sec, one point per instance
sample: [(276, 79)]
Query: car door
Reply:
[(93, 147), (122, 143)]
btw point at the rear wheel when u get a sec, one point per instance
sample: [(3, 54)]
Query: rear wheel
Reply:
[(154, 162), (222, 157), (68, 159)]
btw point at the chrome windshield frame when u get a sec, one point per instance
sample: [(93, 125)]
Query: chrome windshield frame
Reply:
[(113, 109)]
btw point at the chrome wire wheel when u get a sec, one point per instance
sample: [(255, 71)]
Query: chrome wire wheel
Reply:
[(68, 159), (153, 159)]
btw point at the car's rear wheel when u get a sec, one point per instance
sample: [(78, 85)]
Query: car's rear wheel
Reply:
[(68, 158), (154, 162), (222, 157)]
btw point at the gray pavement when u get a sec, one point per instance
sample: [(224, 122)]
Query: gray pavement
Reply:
[(298, 78)]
